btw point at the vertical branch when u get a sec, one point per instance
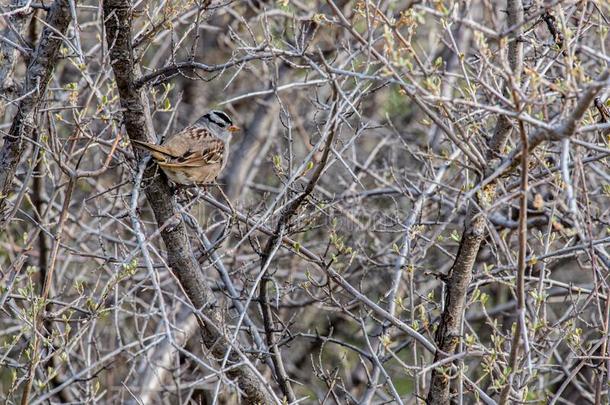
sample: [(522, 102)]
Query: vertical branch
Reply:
[(37, 78), (514, 18), (520, 328), (458, 280), (460, 274), (9, 51), (38, 333)]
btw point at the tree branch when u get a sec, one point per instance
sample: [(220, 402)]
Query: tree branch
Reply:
[(117, 21), (460, 275), (520, 282), (9, 47), (34, 88)]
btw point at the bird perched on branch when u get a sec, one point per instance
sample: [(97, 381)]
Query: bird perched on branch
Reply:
[(196, 155)]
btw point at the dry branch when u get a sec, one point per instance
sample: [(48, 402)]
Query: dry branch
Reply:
[(460, 275), (117, 20), (11, 44), (34, 89)]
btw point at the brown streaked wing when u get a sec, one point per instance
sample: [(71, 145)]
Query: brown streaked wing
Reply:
[(189, 139), (199, 133), (212, 153)]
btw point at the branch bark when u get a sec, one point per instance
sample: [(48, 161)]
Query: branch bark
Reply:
[(514, 16), (34, 88), (9, 51), (460, 275), (136, 119)]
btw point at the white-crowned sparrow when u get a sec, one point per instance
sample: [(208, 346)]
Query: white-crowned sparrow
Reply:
[(197, 154)]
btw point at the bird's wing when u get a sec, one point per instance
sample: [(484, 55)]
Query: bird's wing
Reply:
[(191, 147), (211, 152), (188, 136), (158, 152)]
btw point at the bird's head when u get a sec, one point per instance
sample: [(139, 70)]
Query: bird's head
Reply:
[(219, 122)]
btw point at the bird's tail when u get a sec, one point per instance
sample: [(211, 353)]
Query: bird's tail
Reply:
[(158, 152)]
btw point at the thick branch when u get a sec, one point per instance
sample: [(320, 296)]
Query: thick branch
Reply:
[(9, 51), (34, 88), (117, 20), (460, 275), (448, 332), (514, 9), (458, 280)]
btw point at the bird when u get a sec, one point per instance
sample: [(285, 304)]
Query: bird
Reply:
[(196, 155)]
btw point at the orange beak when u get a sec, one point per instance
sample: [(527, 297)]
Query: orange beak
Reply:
[(233, 128)]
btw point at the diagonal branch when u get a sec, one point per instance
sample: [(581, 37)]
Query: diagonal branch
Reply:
[(136, 119), (276, 239), (460, 275)]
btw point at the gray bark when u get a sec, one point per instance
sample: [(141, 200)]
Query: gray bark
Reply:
[(34, 88), (117, 18)]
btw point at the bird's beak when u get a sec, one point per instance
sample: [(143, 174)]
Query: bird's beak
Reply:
[(233, 128)]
